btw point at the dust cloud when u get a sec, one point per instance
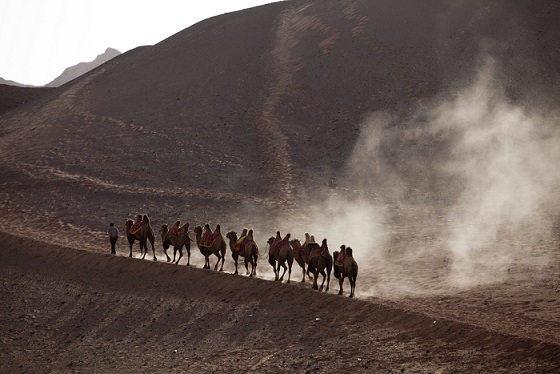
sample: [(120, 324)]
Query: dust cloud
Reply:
[(461, 193)]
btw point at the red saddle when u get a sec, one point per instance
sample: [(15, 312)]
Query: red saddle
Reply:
[(276, 247), (175, 231), (136, 227), (208, 239), (340, 259)]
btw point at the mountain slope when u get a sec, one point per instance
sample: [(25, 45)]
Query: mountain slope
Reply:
[(349, 119)]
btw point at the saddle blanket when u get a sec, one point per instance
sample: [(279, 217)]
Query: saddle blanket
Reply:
[(208, 239), (136, 227), (175, 231), (340, 259), (315, 252), (275, 247), (241, 243)]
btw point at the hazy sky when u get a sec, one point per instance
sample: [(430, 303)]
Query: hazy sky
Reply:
[(40, 38)]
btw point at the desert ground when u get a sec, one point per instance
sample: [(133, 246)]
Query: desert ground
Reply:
[(422, 134), (69, 310)]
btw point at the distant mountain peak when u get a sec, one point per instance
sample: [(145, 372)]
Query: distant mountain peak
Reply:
[(75, 71)]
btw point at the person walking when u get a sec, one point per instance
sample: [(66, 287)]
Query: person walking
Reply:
[(113, 236)]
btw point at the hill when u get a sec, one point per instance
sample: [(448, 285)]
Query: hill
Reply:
[(12, 96), (422, 134)]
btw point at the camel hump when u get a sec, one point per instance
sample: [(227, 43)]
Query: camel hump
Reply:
[(313, 239), (349, 251), (250, 234), (145, 219), (218, 229), (287, 237)]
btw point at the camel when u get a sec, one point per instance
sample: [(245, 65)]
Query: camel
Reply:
[(247, 249), (301, 253), (280, 252), (208, 243), (177, 238), (345, 266), (319, 260), (142, 234)]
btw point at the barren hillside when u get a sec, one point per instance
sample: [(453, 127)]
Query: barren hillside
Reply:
[(422, 134)]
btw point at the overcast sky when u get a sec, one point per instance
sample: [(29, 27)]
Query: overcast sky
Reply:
[(40, 38)]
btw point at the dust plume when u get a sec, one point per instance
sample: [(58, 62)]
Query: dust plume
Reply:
[(505, 158), (458, 194)]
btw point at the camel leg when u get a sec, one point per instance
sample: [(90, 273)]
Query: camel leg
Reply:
[(188, 257), (166, 255), (253, 266), (235, 258), (285, 268), (180, 255), (142, 251), (324, 278), (130, 255), (308, 273), (352, 286), (217, 262), (153, 248), (246, 266), (315, 276), (289, 272), (340, 283), (272, 263), (255, 269)]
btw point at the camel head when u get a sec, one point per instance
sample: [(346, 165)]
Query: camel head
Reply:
[(164, 228), (295, 243), (271, 240), (232, 235), (198, 230)]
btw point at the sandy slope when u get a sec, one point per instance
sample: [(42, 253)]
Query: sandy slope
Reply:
[(67, 310)]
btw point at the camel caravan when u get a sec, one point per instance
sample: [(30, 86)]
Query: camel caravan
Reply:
[(313, 258)]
